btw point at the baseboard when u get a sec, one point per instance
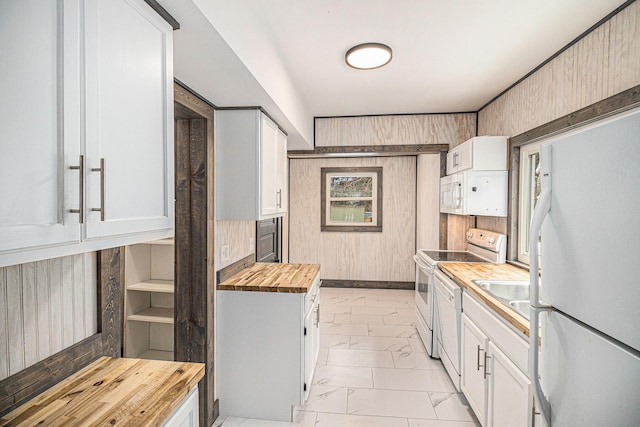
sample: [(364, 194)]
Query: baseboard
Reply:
[(367, 284)]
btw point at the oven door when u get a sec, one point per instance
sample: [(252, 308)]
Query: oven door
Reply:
[(425, 306)]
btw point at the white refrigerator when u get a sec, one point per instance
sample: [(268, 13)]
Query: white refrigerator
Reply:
[(587, 370)]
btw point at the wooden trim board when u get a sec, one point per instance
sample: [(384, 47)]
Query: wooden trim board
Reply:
[(163, 13), (194, 237), (373, 150), (235, 268), (370, 284)]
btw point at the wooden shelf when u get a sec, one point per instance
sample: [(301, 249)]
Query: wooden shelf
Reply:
[(151, 285), (167, 241), (154, 315), (157, 355)]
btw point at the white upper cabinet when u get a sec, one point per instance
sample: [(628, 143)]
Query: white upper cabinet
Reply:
[(39, 123), (251, 166), (129, 118), (86, 83), (480, 153)]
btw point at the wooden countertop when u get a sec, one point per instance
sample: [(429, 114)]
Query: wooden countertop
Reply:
[(463, 273), (272, 277), (110, 391)]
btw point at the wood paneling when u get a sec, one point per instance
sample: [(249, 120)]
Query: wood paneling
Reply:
[(385, 256), (457, 226), (380, 150), (236, 234), (451, 129), (230, 270), (602, 64), (45, 306), (599, 66), (428, 201)]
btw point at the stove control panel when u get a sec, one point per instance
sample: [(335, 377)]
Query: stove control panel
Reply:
[(486, 239)]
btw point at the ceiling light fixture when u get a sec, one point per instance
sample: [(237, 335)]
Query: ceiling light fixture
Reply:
[(368, 56)]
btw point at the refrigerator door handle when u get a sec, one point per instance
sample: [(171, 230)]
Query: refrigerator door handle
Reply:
[(539, 215)]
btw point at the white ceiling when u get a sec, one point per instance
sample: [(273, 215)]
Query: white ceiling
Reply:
[(449, 56)]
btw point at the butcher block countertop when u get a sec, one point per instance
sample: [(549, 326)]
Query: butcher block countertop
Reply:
[(463, 273), (110, 391), (272, 277)]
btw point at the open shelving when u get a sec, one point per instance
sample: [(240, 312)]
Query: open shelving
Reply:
[(149, 289)]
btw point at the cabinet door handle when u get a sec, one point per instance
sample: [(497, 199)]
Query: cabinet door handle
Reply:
[(485, 365), (478, 365), (80, 169), (101, 169), (317, 315), (279, 195)]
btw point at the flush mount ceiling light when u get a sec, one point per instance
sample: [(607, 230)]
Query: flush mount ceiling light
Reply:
[(368, 56)]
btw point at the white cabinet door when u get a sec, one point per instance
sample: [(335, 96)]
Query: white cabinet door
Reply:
[(269, 167), (309, 364), (185, 415), (281, 172), (509, 392), (474, 345), (129, 118), (39, 123)]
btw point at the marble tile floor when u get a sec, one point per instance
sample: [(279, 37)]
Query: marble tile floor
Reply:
[(373, 370)]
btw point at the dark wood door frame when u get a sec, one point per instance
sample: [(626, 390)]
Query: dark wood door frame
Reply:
[(194, 241)]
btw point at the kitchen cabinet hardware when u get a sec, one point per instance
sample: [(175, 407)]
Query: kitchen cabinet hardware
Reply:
[(102, 176), (486, 357), (80, 169), (478, 365)]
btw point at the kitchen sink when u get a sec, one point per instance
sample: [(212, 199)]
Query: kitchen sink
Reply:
[(506, 290), (521, 307)]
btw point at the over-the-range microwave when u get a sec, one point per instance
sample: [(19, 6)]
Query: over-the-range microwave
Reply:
[(474, 193)]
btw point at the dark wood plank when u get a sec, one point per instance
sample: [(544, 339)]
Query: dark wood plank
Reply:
[(28, 383), (235, 268), (164, 14), (194, 237), (111, 299), (372, 284), (374, 150)]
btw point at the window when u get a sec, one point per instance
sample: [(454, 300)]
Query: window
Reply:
[(351, 199), (529, 194)]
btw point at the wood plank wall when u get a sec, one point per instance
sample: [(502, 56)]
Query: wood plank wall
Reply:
[(602, 64), (452, 129), (410, 129), (45, 307), (237, 235), (385, 256)]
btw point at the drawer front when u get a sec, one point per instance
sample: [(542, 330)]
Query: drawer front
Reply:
[(513, 345), (312, 294)]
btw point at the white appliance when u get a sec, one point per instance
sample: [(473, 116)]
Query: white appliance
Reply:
[(448, 297), (474, 193), (588, 304), (483, 246)]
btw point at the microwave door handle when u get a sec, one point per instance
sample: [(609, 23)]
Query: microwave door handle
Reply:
[(539, 214)]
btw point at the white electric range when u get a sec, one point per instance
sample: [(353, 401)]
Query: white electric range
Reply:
[(483, 246)]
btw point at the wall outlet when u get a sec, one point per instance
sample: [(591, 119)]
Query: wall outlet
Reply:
[(225, 252), (252, 244)]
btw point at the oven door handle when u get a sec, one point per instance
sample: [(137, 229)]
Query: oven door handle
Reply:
[(422, 264)]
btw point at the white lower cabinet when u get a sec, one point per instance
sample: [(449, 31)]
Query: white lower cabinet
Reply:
[(266, 351), (493, 369), (185, 415), (509, 391), (473, 385)]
